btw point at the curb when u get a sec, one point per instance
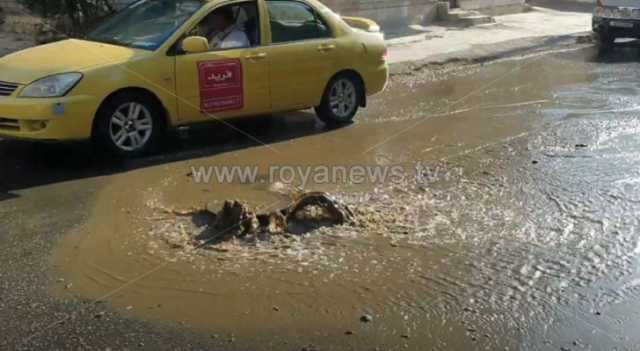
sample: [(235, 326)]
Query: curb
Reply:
[(496, 51)]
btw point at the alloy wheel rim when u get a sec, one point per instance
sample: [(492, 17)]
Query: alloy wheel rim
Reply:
[(130, 126), (343, 98)]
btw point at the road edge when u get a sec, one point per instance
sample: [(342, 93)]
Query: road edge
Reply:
[(517, 48)]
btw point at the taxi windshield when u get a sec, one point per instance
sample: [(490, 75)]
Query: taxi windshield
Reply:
[(146, 24)]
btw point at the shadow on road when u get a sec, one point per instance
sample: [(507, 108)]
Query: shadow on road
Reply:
[(25, 165)]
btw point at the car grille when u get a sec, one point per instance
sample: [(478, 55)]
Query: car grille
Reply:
[(9, 124), (7, 89)]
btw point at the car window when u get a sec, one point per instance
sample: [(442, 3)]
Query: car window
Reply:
[(146, 24), (295, 21), (231, 26)]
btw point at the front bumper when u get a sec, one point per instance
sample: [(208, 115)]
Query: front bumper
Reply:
[(51, 119), (621, 28)]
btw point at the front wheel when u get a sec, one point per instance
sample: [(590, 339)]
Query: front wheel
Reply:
[(129, 125), (341, 100)]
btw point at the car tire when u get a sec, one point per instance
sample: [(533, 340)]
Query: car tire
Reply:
[(129, 125), (341, 100)]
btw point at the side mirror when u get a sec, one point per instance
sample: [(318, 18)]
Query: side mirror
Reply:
[(195, 44)]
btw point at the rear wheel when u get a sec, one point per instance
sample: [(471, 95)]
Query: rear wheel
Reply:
[(341, 100), (130, 125)]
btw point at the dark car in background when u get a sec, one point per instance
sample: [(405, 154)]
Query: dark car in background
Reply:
[(614, 19)]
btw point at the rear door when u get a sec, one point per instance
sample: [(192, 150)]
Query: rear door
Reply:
[(228, 82), (302, 54)]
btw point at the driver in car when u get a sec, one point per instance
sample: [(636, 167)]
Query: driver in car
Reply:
[(223, 33)]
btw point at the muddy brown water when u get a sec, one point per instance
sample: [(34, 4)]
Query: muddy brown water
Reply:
[(524, 234)]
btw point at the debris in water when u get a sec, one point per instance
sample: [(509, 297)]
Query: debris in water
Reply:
[(366, 318), (339, 213), (236, 220)]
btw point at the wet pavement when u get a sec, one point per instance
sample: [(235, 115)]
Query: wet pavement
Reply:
[(521, 231)]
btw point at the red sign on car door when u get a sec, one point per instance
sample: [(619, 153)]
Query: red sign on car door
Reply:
[(221, 85)]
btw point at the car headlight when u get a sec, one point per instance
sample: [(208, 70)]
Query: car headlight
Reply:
[(52, 86)]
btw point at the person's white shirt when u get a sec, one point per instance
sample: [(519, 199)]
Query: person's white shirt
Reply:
[(230, 39)]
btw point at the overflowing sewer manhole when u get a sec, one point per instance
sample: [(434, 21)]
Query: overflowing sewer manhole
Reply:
[(210, 227)]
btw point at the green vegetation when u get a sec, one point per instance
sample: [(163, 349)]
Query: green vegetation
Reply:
[(79, 13)]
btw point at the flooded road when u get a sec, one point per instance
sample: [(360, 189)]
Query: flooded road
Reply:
[(516, 226)]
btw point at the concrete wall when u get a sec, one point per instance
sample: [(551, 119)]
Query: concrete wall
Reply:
[(382, 11), (495, 7), (387, 11)]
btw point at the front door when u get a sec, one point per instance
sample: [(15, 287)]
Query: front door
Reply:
[(225, 82)]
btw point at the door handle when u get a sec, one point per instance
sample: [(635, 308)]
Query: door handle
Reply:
[(257, 56), (326, 47)]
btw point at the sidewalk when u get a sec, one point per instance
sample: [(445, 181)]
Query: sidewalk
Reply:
[(509, 32)]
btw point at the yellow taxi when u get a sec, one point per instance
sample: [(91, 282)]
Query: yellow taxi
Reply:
[(161, 64)]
